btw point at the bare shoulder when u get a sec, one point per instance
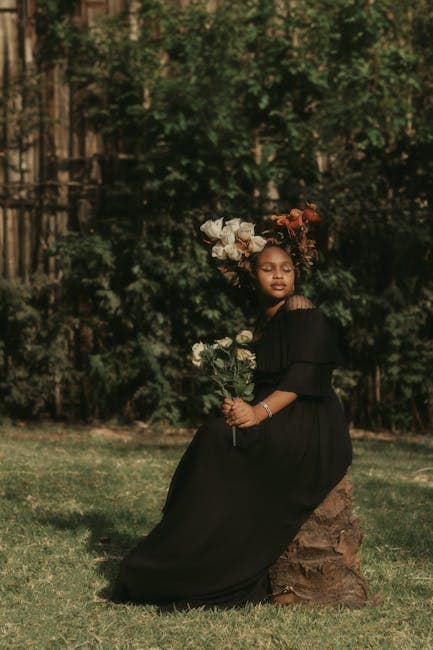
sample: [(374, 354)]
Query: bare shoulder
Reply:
[(298, 301)]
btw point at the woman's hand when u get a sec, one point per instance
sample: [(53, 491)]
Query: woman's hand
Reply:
[(239, 413), (226, 407)]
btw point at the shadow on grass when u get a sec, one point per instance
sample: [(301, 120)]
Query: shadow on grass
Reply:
[(107, 542), (109, 546)]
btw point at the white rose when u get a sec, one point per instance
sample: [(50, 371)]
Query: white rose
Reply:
[(246, 355), (227, 236), (256, 244), (197, 349), (212, 229), (246, 336), (219, 251), (233, 224), (246, 231), (225, 342), (233, 252)]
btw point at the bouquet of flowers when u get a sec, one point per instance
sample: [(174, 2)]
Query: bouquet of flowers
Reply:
[(229, 364)]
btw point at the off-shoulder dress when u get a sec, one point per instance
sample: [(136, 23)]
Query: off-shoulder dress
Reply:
[(230, 511)]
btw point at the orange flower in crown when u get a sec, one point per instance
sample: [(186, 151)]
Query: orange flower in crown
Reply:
[(291, 221), (296, 218), (310, 213)]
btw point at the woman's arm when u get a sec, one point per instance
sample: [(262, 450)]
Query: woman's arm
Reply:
[(240, 413)]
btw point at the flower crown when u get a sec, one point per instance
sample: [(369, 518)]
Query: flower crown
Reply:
[(234, 242)]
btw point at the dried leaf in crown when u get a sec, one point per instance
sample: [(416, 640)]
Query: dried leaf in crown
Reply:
[(291, 231)]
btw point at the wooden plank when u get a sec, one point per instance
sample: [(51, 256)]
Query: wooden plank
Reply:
[(134, 23), (10, 250), (9, 31), (93, 144), (92, 9), (11, 168), (15, 262), (61, 114), (118, 6), (29, 31), (39, 239), (34, 235), (27, 245), (8, 6), (50, 240), (2, 243)]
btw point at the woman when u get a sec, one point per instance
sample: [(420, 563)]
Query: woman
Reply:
[(231, 511)]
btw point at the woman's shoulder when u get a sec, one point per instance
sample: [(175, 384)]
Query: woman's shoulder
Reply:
[(298, 301), (301, 332), (299, 309), (307, 333), (301, 313)]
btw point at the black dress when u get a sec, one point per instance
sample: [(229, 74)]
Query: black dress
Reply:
[(231, 511)]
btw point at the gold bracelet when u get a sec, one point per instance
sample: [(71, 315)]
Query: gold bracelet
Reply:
[(266, 407)]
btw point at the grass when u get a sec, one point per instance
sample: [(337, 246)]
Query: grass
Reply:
[(75, 500)]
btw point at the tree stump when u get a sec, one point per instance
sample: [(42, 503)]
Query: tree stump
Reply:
[(321, 565)]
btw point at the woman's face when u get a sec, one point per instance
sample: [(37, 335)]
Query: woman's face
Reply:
[(274, 273)]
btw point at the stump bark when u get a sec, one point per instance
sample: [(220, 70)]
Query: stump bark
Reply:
[(321, 565)]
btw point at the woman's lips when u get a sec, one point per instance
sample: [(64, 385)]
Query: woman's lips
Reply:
[(278, 286)]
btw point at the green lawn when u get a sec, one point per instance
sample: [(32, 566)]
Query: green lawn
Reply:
[(75, 500)]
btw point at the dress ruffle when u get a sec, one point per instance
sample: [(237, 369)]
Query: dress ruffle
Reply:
[(300, 351), (298, 335)]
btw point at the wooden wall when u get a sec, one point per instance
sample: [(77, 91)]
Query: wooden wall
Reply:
[(46, 164)]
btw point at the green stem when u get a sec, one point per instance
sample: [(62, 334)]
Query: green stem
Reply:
[(233, 429), (234, 426)]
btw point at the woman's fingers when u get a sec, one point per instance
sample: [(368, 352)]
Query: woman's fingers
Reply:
[(227, 405), (240, 412), (238, 421)]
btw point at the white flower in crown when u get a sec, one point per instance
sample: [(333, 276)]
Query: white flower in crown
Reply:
[(234, 223), (246, 231), (218, 251), (256, 244), (212, 229), (232, 243), (233, 252), (227, 236)]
